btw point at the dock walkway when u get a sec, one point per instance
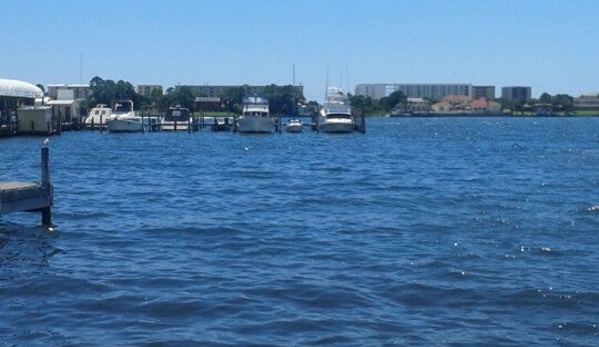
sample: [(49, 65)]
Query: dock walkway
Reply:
[(29, 196)]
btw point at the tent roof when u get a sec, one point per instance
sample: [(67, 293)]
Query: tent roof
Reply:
[(19, 89)]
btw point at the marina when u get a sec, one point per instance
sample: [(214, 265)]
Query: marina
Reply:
[(460, 224)]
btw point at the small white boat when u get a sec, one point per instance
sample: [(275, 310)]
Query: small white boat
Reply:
[(125, 119), (97, 116), (177, 119), (294, 125), (221, 124), (255, 117), (336, 116)]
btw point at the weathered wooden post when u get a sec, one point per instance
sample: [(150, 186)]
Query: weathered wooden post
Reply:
[(46, 185)]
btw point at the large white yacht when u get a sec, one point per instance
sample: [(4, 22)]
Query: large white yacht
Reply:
[(255, 117), (124, 118), (335, 116)]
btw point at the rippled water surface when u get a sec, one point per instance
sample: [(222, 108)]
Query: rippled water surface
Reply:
[(421, 232)]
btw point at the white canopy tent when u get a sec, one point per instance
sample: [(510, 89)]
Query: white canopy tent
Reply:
[(19, 89)]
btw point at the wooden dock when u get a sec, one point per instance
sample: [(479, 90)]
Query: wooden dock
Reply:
[(29, 196)]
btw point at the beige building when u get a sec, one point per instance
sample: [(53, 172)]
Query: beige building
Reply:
[(147, 89), (586, 102), (429, 91), (69, 91)]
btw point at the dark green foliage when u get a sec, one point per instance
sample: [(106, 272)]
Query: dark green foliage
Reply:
[(107, 92)]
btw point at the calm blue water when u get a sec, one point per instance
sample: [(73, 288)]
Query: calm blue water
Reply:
[(422, 232)]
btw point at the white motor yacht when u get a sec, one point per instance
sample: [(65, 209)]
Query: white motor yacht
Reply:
[(124, 118), (255, 117), (336, 116)]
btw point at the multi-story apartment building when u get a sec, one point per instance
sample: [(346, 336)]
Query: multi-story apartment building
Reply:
[(512, 94), (429, 91), (487, 92), (147, 89)]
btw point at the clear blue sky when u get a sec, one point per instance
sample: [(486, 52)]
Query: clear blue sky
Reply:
[(550, 45)]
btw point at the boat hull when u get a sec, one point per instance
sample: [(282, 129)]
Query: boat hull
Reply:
[(294, 128), (255, 125), (124, 125), (337, 126), (175, 125)]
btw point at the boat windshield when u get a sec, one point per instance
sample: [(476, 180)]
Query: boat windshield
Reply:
[(123, 107)]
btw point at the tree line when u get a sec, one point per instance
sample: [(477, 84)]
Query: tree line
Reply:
[(282, 99), (367, 105)]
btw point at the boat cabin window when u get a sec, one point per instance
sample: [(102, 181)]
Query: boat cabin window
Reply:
[(338, 116)]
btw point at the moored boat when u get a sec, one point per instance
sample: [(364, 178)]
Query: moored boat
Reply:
[(125, 119), (221, 124), (294, 125), (97, 116), (336, 116), (177, 119), (256, 117)]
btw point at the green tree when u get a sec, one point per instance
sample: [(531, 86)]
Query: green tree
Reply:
[(564, 102), (394, 99), (545, 98), (283, 99), (107, 92), (233, 99), (180, 95)]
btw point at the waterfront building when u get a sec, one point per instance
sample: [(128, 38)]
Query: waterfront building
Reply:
[(69, 91), (208, 103), (487, 92), (14, 94), (587, 102), (65, 100), (453, 103), (147, 89), (429, 91), (484, 106), (512, 94)]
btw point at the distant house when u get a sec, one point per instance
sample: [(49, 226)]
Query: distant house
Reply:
[(418, 105), (587, 102), (484, 106), (442, 107), (208, 103), (541, 109), (458, 102)]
